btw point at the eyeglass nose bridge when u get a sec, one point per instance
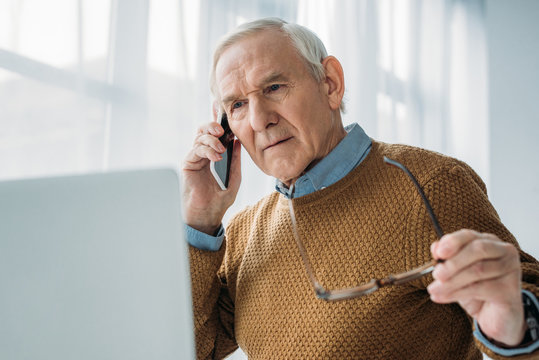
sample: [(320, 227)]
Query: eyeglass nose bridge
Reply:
[(343, 294), (375, 284)]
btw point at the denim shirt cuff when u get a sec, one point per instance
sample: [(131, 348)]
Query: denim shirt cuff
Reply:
[(204, 241), (518, 350)]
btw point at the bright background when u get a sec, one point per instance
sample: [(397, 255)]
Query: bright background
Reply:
[(97, 85)]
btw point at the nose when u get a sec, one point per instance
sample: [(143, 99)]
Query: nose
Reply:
[(261, 115)]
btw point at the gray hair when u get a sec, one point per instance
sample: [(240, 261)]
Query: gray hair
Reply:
[(308, 45)]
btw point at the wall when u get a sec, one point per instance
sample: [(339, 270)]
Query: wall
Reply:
[(513, 38)]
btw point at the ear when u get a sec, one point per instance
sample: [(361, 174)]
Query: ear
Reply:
[(334, 81)]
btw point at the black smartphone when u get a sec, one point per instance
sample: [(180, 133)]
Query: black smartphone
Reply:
[(221, 169)]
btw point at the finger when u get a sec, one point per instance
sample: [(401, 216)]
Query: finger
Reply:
[(481, 249), (450, 244), (213, 128), (205, 151), (206, 147), (479, 271), (198, 157), (433, 248), (211, 141), (193, 162), (488, 290), (215, 110)]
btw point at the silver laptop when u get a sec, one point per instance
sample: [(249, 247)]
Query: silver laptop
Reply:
[(94, 267)]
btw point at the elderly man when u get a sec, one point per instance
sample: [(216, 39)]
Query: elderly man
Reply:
[(339, 218)]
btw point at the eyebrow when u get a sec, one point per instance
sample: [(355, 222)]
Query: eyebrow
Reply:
[(272, 77)]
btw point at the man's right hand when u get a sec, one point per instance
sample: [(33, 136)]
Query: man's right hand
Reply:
[(205, 203)]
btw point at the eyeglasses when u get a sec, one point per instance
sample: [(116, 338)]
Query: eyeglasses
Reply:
[(375, 284)]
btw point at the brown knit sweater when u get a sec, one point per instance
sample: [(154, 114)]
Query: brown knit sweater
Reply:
[(254, 292)]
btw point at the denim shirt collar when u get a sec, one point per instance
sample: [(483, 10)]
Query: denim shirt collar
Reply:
[(337, 164)]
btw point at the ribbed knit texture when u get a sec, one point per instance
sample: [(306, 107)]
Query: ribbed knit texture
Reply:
[(255, 292)]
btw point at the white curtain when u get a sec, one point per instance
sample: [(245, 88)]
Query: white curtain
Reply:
[(97, 85), (415, 70)]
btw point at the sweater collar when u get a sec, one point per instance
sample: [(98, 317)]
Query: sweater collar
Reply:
[(349, 153)]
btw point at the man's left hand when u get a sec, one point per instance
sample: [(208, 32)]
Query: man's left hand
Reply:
[(481, 273)]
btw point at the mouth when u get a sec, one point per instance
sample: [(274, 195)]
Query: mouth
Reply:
[(277, 143)]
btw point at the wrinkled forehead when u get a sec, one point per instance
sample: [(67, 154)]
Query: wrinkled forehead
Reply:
[(255, 57)]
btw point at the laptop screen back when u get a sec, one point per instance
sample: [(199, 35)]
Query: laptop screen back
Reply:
[(94, 267)]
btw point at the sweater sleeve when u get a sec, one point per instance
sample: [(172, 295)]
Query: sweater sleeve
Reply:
[(213, 308), (460, 201)]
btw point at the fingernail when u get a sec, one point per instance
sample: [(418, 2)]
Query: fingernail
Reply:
[(437, 274), (221, 147)]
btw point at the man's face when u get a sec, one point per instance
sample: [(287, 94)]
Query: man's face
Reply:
[(275, 107)]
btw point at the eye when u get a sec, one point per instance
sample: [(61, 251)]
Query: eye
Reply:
[(237, 105), (274, 87)]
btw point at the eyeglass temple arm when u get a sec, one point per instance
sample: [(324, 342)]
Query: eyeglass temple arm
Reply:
[(437, 227), (318, 288)]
